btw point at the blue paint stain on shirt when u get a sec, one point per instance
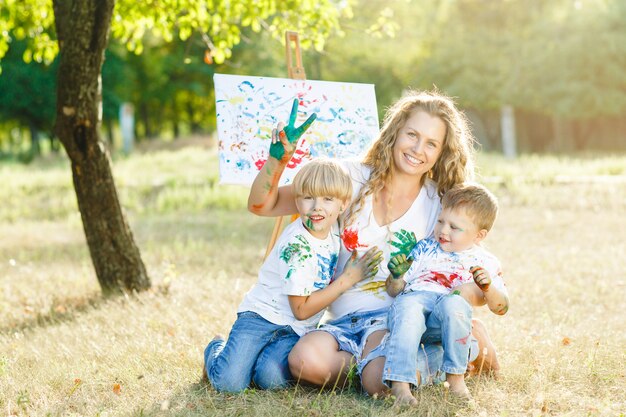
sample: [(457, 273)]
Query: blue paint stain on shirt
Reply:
[(326, 269)]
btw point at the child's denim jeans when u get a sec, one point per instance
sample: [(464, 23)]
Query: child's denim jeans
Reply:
[(428, 317), (256, 351)]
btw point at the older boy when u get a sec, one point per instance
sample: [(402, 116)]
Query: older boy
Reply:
[(293, 288)]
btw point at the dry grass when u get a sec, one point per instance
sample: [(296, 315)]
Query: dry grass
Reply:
[(63, 350)]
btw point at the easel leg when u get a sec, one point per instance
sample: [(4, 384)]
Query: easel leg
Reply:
[(295, 71)]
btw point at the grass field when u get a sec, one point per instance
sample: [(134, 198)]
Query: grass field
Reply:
[(65, 351)]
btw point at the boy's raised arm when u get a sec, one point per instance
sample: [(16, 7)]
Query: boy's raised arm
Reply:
[(356, 270), (266, 198)]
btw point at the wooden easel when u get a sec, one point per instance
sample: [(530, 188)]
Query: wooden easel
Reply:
[(296, 72)]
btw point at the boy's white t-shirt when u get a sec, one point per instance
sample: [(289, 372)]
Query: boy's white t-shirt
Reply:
[(439, 271), (299, 264), (364, 233)]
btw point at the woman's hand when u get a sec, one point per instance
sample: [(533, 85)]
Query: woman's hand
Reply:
[(285, 138), (365, 267)]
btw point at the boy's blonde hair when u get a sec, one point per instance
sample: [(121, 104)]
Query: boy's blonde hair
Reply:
[(477, 201), (321, 178), (455, 163)]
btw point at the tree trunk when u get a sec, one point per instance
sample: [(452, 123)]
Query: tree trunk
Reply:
[(145, 118), (82, 28), (34, 140), (195, 127), (54, 144)]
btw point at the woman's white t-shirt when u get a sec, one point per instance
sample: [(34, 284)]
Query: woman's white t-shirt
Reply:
[(364, 232)]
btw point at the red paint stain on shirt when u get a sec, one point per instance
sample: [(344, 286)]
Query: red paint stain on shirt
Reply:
[(350, 238), (444, 280)]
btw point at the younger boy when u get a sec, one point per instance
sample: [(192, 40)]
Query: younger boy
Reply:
[(427, 296), (293, 288)]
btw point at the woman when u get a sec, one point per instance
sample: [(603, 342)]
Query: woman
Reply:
[(424, 149)]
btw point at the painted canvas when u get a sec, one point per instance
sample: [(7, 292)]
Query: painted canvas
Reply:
[(248, 108)]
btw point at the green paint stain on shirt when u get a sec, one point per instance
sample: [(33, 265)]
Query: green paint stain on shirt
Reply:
[(403, 241), (296, 252)]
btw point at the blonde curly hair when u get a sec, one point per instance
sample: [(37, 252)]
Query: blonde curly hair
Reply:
[(455, 163)]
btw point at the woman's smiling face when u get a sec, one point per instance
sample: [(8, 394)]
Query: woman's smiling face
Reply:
[(419, 143)]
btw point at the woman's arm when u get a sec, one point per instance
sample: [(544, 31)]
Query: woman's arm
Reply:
[(307, 306), (266, 198)]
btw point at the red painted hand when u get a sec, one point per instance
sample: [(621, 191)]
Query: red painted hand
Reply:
[(481, 278)]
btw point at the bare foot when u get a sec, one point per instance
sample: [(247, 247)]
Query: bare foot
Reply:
[(402, 392), (205, 376), (457, 386)]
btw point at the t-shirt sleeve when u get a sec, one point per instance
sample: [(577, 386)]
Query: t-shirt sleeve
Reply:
[(495, 272), (298, 268)]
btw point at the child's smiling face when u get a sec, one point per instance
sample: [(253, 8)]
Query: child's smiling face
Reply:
[(456, 231), (319, 213)]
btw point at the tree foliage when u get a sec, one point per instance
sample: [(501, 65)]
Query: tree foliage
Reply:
[(560, 58), (220, 21)]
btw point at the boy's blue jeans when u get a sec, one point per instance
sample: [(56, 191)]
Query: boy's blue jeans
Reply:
[(256, 351), (428, 317)]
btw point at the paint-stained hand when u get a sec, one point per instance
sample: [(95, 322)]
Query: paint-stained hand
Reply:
[(398, 265), (405, 242), (481, 278), (364, 267), (285, 139)]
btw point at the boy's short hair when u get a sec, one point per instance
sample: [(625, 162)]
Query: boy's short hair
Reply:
[(323, 177), (477, 201)]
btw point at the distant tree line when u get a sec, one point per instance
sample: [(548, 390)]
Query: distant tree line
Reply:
[(169, 85), (559, 64)]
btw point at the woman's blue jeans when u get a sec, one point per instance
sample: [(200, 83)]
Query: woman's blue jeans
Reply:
[(256, 352), (427, 317)]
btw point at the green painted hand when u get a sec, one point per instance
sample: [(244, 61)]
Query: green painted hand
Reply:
[(284, 148), (405, 243), (398, 265)]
